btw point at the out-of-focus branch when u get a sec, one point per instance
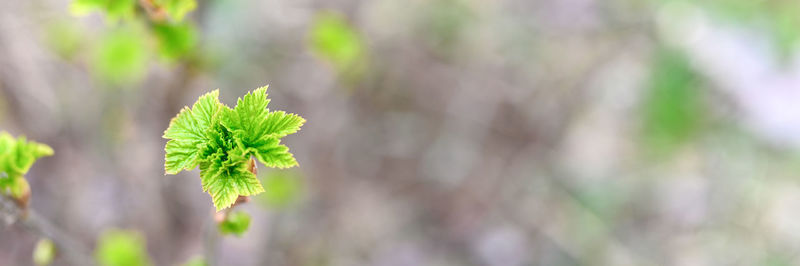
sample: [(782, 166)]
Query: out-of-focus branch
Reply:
[(210, 242), (73, 251)]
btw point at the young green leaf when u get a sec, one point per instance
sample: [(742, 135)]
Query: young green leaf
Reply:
[(188, 131), (222, 141), (259, 130), (227, 179), (235, 223), (44, 252), (16, 158), (122, 248)]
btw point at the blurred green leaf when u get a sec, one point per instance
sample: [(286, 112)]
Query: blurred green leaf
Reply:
[(44, 252), (113, 9), (121, 56), (333, 39), (282, 188), (673, 110), (177, 9), (235, 223), (175, 40), (122, 248)]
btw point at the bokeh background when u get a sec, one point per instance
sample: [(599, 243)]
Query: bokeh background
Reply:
[(440, 132)]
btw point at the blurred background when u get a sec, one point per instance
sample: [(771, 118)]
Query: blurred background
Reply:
[(440, 132)]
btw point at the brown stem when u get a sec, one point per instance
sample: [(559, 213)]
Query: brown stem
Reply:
[(74, 251)]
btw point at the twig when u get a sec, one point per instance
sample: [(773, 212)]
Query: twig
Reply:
[(212, 234), (210, 242), (74, 251)]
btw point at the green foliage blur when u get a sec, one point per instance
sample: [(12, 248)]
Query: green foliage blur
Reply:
[(122, 248), (673, 107), (335, 40), (235, 223), (44, 252), (175, 40), (133, 38), (282, 189), (121, 56)]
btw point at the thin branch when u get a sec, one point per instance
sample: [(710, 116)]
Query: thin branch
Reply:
[(210, 242), (74, 251)]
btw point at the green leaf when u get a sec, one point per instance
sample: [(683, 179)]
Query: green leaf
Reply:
[(177, 9), (280, 124), (121, 56), (336, 41), (247, 119), (44, 252), (259, 130), (225, 176), (273, 154), (235, 223), (188, 133), (175, 40), (222, 142), (16, 158), (122, 248)]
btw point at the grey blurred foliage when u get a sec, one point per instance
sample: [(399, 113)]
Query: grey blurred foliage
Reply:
[(508, 132)]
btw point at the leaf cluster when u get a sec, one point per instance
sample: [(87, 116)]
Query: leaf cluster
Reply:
[(138, 30), (221, 141), (16, 158)]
